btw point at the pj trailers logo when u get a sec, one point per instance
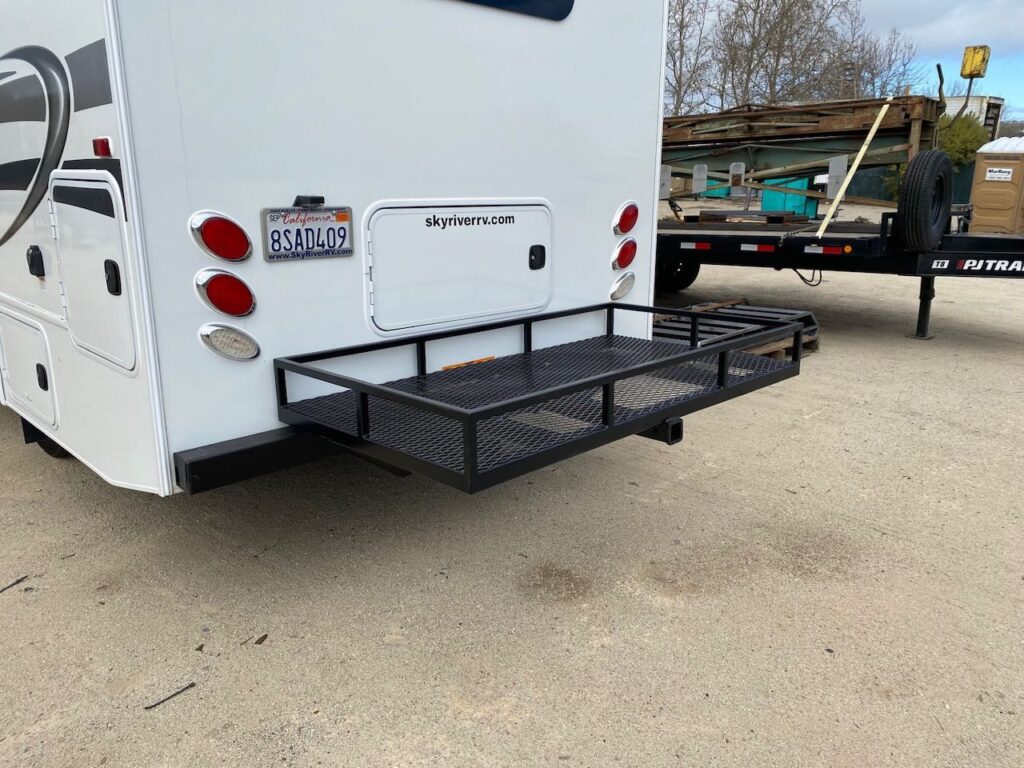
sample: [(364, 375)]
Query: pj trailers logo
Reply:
[(979, 266)]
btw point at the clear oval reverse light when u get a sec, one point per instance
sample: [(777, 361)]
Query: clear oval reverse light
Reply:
[(623, 285), (230, 342)]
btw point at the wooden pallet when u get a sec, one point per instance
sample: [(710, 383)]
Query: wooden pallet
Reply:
[(733, 312), (765, 217), (783, 350)]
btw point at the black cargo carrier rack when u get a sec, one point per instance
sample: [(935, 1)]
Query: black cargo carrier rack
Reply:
[(476, 426)]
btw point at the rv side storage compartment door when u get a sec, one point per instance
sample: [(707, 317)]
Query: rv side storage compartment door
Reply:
[(25, 369), (89, 220), (434, 266)]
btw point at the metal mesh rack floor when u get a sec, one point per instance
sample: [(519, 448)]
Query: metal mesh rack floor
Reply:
[(528, 431)]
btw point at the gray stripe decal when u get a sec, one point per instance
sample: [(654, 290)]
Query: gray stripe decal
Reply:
[(5, 75), (97, 200), (109, 164), (90, 78), (17, 176), (23, 101), (58, 99), (556, 10)]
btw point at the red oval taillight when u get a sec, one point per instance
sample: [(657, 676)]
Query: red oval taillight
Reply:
[(626, 254), (226, 293), (221, 237), (627, 219)]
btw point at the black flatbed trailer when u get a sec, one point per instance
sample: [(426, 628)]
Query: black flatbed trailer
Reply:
[(845, 247)]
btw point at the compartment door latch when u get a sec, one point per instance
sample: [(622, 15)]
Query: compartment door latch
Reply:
[(538, 257), (112, 272), (34, 257)]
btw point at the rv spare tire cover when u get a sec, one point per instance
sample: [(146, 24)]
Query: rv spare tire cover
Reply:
[(926, 197)]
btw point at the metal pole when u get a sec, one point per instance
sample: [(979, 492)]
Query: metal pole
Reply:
[(924, 311)]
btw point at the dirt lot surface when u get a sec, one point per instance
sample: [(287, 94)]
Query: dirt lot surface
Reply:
[(829, 572)]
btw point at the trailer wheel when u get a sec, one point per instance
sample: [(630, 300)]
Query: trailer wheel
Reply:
[(926, 198), (51, 448), (675, 277)]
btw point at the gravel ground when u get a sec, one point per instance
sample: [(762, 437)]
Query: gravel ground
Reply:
[(829, 572)]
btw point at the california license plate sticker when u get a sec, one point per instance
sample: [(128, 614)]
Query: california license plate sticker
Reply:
[(298, 234)]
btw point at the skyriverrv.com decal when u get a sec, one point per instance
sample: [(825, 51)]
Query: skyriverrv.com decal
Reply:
[(450, 222)]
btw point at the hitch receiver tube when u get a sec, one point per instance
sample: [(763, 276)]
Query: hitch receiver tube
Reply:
[(669, 432)]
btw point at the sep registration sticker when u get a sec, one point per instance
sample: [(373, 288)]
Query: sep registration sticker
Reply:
[(298, 234)]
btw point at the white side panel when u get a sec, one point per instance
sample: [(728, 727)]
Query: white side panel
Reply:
[(105, 411), (441, 265)]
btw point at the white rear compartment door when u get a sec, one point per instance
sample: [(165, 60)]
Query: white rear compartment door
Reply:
[(25, 370), (436, 266), (91, 252)]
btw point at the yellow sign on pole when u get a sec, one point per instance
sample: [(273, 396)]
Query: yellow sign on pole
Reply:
[(975, 61)]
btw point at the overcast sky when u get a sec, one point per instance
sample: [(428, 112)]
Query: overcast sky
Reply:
[(941, 29)]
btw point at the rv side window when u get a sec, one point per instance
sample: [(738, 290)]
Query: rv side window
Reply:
[(555, 10)]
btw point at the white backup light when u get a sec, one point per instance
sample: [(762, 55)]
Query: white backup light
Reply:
[(229, 342), (623, 286)]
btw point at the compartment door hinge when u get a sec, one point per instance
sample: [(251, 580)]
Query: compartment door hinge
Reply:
[(369, 271), (53, 218), (63, 299)]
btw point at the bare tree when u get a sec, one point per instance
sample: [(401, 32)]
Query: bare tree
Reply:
[(775, 51), (872, 65), (686, 72), (772, 51)]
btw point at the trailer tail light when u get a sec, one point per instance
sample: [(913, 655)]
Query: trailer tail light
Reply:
[(627, 218), (623, 286), (225, 293), (826, 250), (232, 343), (625, 255), (220, 236)]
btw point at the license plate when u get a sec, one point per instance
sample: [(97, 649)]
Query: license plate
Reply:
[(297, 234)]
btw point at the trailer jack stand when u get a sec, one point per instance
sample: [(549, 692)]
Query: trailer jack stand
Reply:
[(924, 312)]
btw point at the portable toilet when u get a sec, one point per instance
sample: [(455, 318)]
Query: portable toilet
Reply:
[(998, 191)]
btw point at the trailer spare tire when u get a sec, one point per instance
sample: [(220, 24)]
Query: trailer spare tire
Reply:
[(926, 197)]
